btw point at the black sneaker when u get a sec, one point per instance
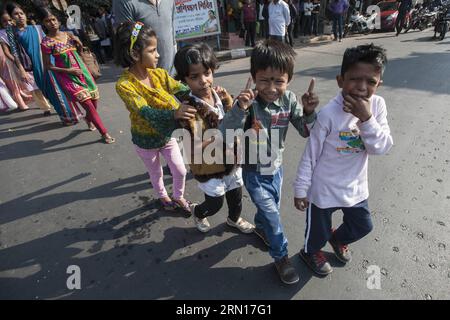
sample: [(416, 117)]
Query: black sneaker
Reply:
[(317, 262), (342, 252), (261, 233), (286, 271)]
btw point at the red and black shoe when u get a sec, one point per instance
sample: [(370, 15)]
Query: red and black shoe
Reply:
[(317, 262), (341, 251)]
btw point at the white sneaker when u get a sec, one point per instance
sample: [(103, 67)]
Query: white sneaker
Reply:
[(243, 225), (201, 224)]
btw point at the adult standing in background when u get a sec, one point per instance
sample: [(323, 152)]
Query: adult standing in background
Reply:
[(157, 14), (403, 9), (279, 19), (294, 13), (248, 19), (338, 9)]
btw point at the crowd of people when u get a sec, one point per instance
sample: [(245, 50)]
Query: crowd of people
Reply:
[(41, 63), (332, 173), (285, 20)]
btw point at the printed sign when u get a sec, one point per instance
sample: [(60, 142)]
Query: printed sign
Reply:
[(196, 18)]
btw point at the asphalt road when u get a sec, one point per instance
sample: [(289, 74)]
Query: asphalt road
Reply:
[(67, 199)]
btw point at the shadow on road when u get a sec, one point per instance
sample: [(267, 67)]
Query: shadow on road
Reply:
[(167, 269), (399, 73), (39, 201)]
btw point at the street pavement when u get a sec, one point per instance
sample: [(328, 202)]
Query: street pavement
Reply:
[(67, 199)]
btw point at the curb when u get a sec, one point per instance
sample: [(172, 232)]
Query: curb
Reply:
[(239, 53)]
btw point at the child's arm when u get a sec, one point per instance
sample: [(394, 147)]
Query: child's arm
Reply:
[(374, 128), (375, 132), (299, 120), (237, 116), (225, 98), (173, 86), (307, 164), (162, 120)]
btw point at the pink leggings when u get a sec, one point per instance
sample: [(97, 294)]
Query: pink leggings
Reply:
[(92, 115), (171, 152)]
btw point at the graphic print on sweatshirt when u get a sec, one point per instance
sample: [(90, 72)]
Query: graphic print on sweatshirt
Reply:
[(354, 143)]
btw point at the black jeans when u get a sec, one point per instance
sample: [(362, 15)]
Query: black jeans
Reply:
[(306, 25), (400, 21), (289, 39), (212, 205), (315, 23), (250, 34)]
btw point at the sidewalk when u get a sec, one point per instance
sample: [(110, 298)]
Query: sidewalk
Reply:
[(224, 55)]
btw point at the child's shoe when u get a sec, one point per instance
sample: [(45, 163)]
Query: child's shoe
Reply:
[(342, 252), (286, 271), (185, 206), (241, 224), (202, 224), (317, 262)]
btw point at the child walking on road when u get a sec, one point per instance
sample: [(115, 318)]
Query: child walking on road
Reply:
[(267, 110), (332, 174), (148, 92), (195, 66)]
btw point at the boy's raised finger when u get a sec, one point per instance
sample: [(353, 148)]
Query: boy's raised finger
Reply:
[(311, 85), (249, 83)]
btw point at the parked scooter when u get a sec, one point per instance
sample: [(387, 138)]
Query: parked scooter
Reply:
[(416, 15), (359, 23), (442, 22)]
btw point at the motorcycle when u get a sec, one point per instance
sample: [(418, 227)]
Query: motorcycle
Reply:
[(359, 23), (442, 22), (416, 16)]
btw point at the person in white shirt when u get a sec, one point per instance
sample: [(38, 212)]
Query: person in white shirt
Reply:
[(332, 173), (308, 8), (279, 19)]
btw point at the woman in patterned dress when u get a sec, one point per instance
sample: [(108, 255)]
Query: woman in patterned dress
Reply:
[(70, 70), (30, 37)]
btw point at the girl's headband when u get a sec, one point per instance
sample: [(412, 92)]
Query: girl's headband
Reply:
[(134, 34)]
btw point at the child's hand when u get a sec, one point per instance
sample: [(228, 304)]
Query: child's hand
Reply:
[(310, 100), (246, 98), (357, 106), (301, 203), (247, 95), (185, 112), (221, 92)]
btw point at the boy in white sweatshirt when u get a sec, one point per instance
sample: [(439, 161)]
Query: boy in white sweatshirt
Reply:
[(332, 173)]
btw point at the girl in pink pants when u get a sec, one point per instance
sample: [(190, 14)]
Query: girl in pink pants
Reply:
[(148, 93)]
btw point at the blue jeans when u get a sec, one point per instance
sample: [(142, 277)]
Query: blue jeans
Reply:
[(337, 19), (265, 192)]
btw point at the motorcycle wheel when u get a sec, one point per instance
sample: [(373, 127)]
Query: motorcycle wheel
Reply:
[(443, 30)]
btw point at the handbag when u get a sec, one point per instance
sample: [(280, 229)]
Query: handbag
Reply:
[(90, 60)]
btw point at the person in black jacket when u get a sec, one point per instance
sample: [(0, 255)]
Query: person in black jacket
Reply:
[(403, 9), (294, 15)]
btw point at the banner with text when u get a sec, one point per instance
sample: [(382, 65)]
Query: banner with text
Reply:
[(196, 18)]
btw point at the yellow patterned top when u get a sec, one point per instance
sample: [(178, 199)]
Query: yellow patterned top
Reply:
[(151, 108)]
